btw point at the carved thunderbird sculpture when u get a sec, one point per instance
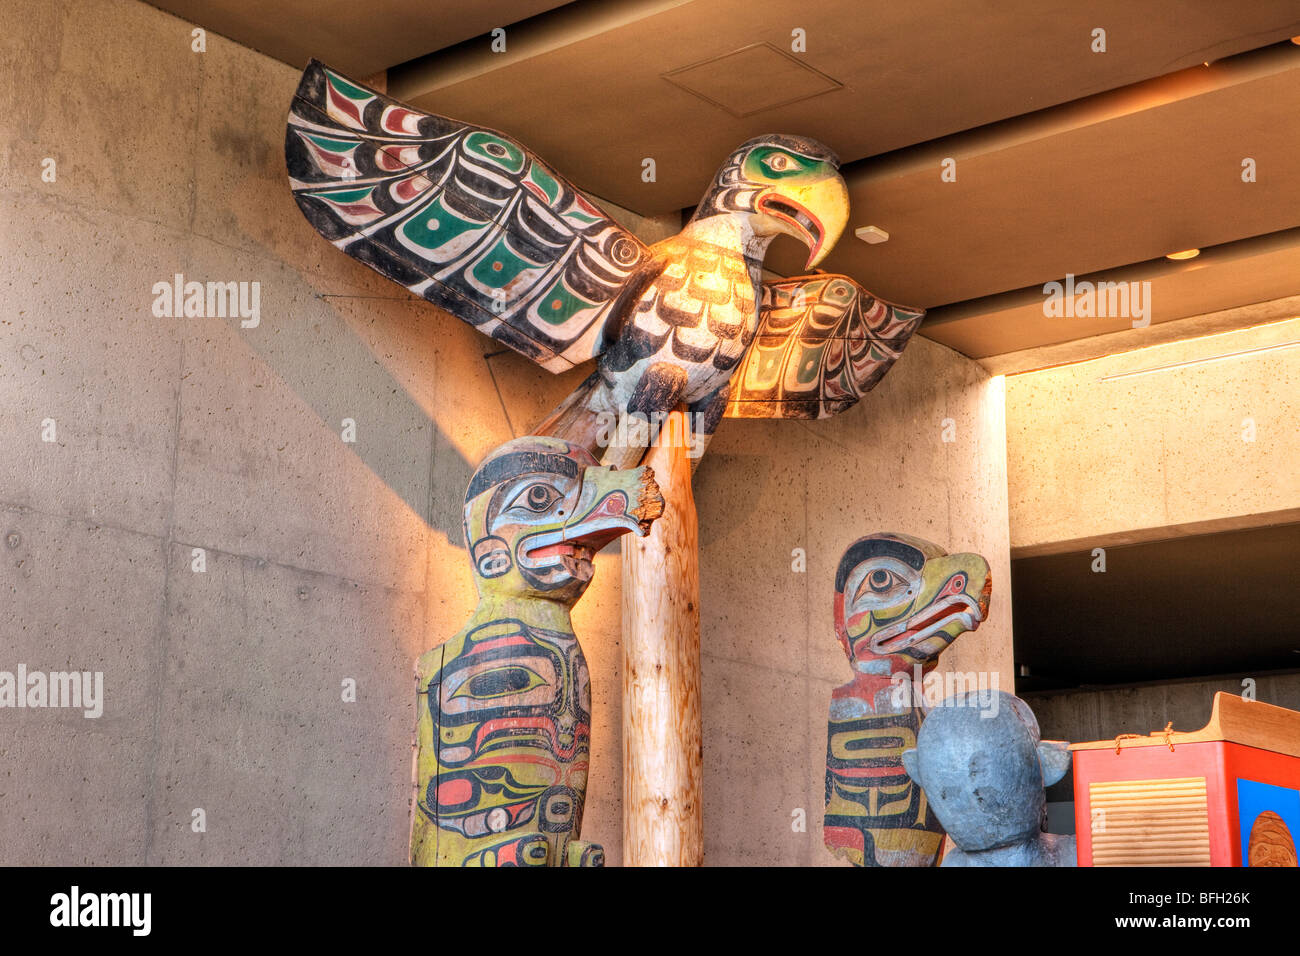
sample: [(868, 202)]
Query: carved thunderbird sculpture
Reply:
[(475, 223)]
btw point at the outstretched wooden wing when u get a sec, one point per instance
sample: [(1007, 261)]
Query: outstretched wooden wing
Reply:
[(822, 341), (463, 216)]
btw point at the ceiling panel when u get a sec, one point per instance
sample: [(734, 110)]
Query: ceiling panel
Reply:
[(1121, 178), (596, 105), (1263, 269), (357, 38)]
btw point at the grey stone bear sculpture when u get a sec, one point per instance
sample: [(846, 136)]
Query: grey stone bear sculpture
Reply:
[(981, 762)]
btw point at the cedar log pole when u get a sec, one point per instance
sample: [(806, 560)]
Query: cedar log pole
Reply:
[(662, 736)]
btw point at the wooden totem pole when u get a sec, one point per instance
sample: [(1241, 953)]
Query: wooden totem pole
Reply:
[(477, 224), (899, 602), (504, 706)]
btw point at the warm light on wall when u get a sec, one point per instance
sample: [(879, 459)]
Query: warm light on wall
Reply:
[(1199, 361)]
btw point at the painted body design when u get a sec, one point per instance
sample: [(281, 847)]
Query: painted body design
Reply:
[(504, 707), (475, 223), (899, 602)]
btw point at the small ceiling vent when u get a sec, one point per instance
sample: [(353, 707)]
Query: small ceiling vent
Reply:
[(752, 79)]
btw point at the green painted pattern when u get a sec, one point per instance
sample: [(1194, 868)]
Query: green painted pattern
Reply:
[(436, 226), (810, 368), (354, 93), (559, 304), (496, 150), (763, 162), (347, 196), (543, 181), (340, 146), (501, 266)]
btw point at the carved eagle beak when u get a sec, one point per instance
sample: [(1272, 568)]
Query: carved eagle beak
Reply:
[(815, 212), (611, 503)]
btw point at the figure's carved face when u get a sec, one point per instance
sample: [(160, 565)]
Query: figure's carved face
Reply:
[(513, 748), (981, 767), (790, 185), (907, 599), (538, 510)]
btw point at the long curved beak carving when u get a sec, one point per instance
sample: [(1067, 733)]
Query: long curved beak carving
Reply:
[(818, 213)]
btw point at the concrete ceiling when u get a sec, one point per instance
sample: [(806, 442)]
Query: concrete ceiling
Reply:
[(1068, 160), (360, 39), (1117, 179)]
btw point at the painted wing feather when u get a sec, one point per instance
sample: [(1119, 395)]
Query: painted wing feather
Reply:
[(822, 341), (462, 216)]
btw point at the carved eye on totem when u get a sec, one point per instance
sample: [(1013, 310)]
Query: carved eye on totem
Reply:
[(500, 682), (537, 498), (497, 150), (778, 162), (881, 580), (882, 583)]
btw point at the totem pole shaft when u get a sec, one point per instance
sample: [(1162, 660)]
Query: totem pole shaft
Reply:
[(662, 736)]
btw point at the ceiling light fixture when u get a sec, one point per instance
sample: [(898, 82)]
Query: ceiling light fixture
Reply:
[(1185, 254), (872, 235)]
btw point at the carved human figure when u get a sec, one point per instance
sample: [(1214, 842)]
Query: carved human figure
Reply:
[(983, 765), (899, 602), (504, 706)]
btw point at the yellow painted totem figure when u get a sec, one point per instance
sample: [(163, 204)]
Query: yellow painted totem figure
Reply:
[(899, 602), (504, 720)]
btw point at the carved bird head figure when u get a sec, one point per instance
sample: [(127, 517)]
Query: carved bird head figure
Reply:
[(901, 601), (537, 511), (786, 185)]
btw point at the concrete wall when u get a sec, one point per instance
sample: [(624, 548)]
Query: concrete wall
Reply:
[(1093, 458), (1104, 713), (328, 560)]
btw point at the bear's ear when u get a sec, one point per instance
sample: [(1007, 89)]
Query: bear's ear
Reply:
[(1054, 756), (909, 764)]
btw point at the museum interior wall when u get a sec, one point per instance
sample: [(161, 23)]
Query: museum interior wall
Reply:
[(1189, 444), (233, 521), (1174, 439)]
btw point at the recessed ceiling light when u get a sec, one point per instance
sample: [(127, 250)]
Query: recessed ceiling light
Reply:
[(1185, 254), (1296, 40), (871, 234)]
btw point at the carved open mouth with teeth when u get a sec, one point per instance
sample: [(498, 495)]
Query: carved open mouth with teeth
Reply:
[(574, 547), (959, 608), (787, 210), (574, 556)]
